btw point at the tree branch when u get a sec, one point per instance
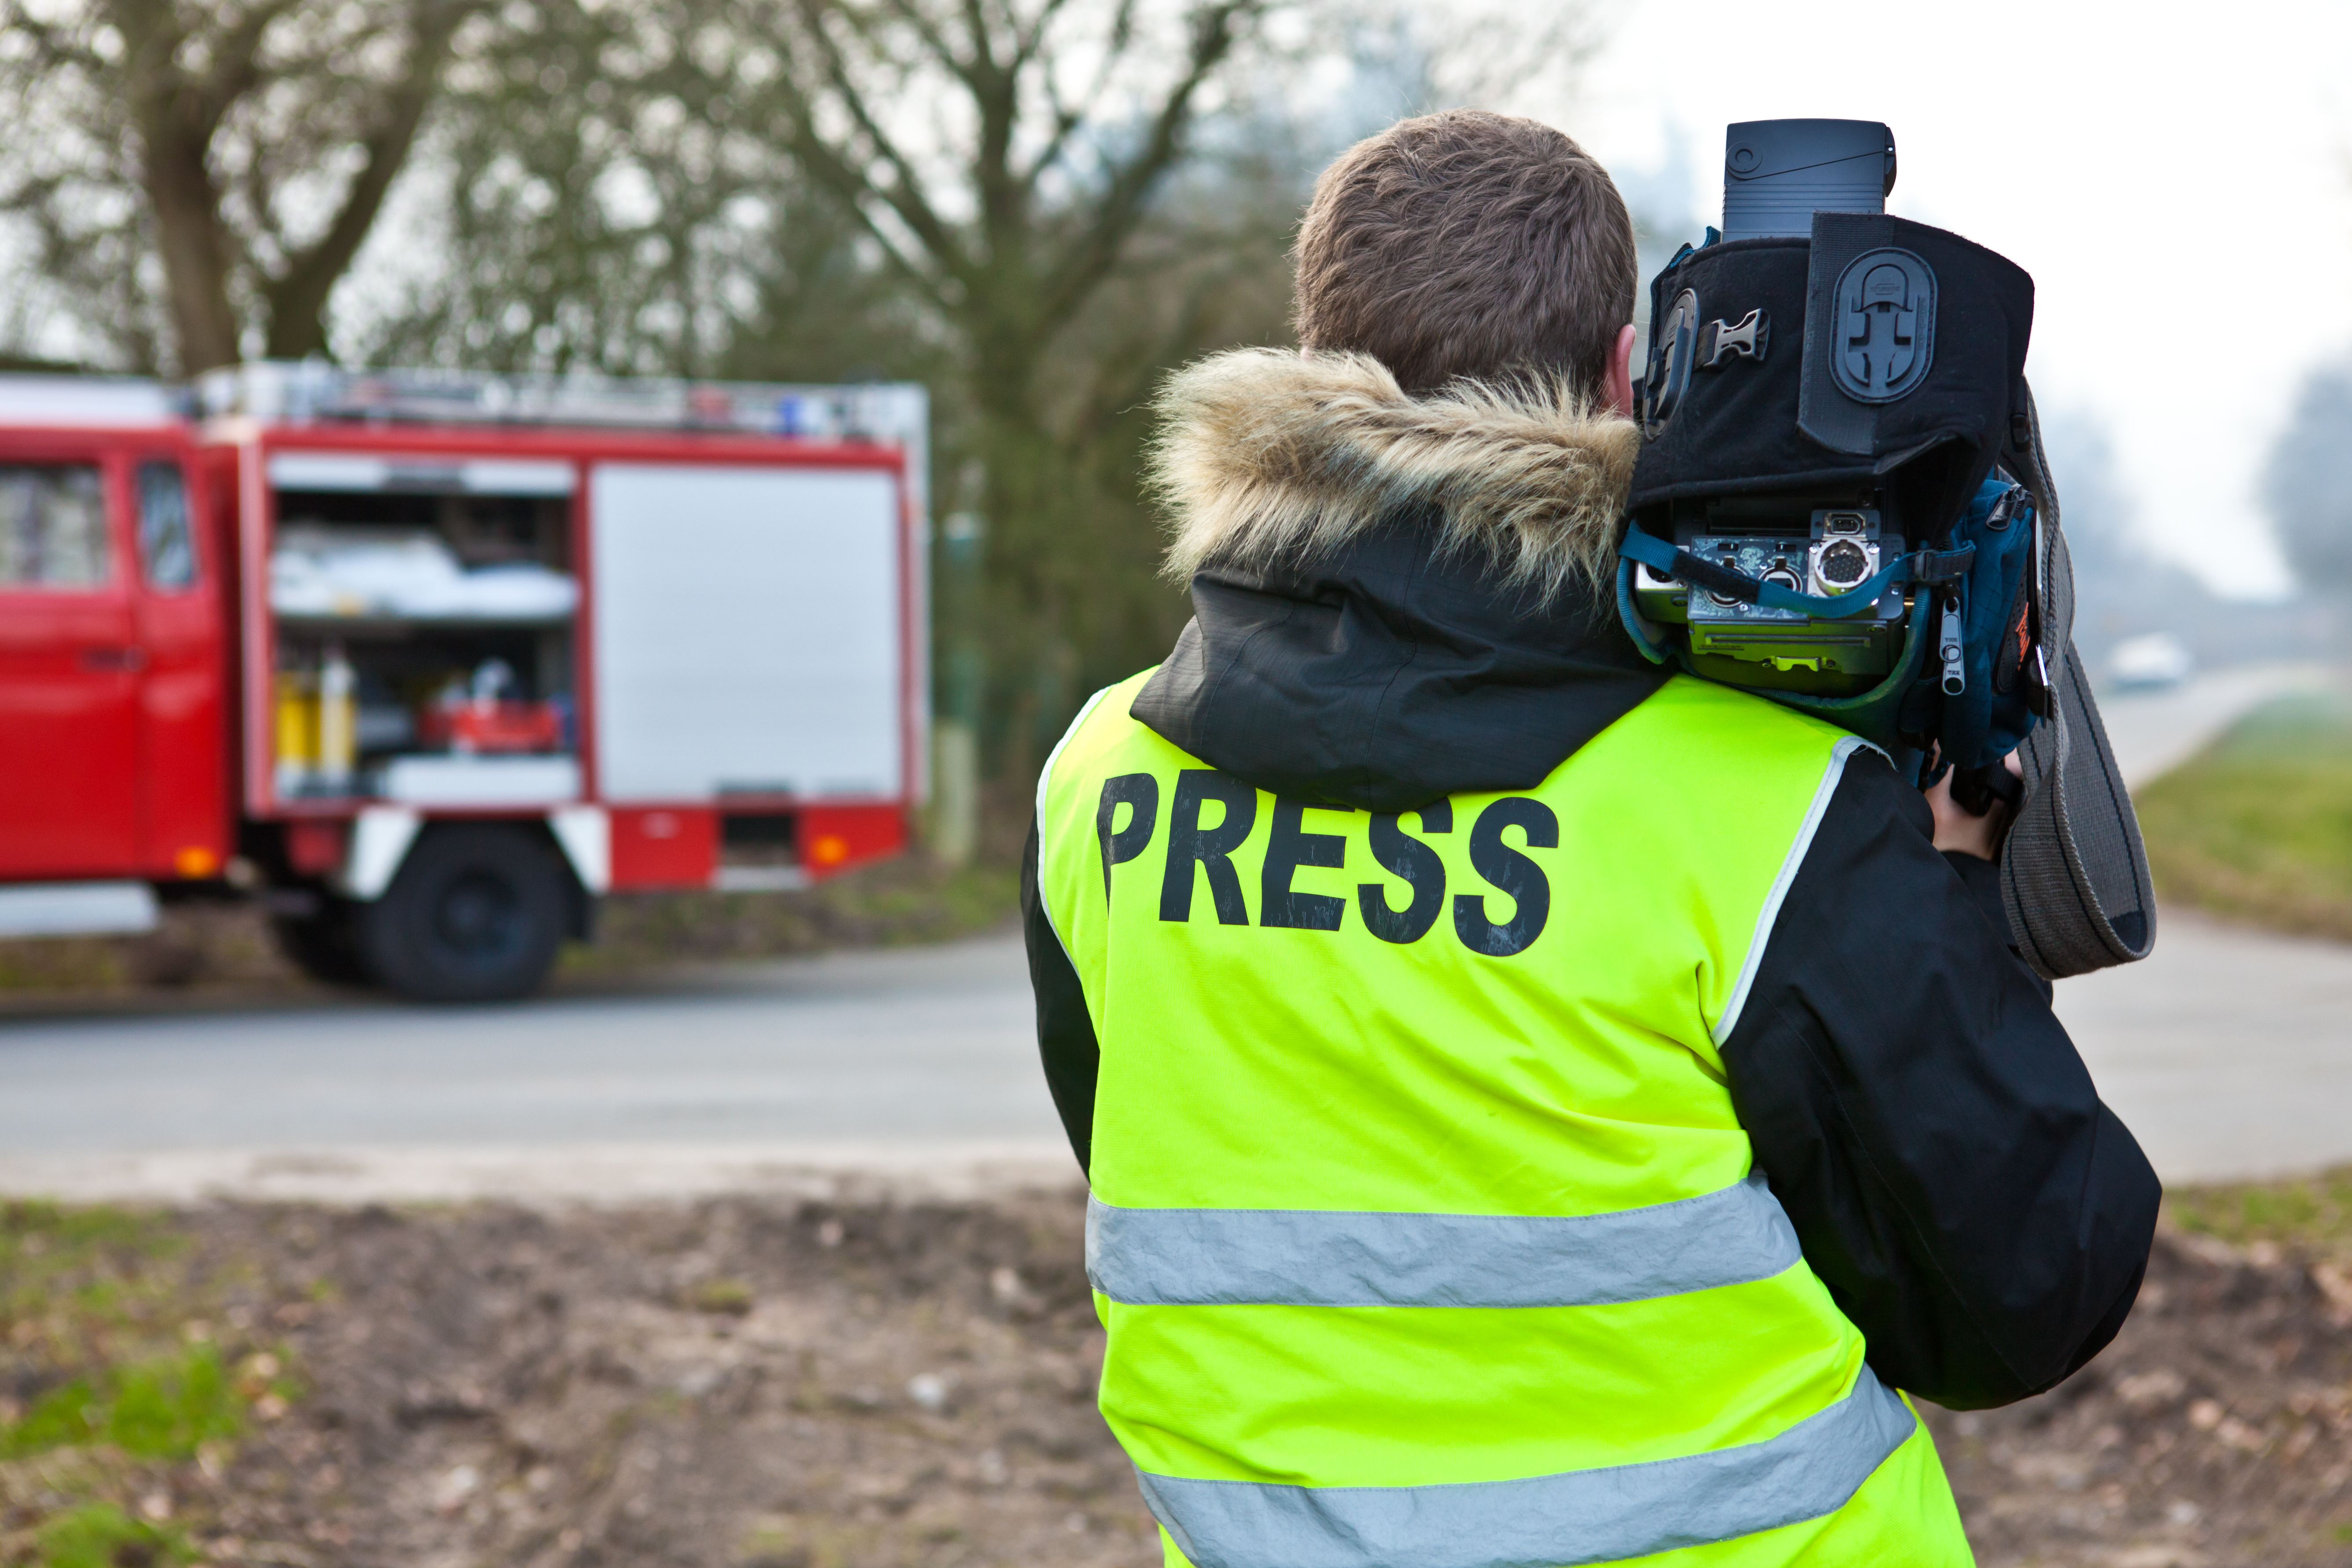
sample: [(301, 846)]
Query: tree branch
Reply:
[(904, 195), (983, 51), (842, 179), (934, 40), (50, 45), (1091, 256), (236, 70), (1067, 120), (297, 299), (1028, 41)]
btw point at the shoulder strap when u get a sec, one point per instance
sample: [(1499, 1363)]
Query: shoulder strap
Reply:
[(2075, 875)]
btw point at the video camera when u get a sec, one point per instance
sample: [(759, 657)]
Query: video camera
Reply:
[(1818, 482), (1842, 504)]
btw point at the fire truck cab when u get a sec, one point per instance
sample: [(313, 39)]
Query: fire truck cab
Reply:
[(431, 663)]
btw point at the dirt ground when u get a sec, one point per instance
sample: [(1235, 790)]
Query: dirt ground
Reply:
[(819, 1385), (2216, 1430)]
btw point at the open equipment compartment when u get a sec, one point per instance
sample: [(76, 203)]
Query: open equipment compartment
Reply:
[(507, 645), (422, 613)]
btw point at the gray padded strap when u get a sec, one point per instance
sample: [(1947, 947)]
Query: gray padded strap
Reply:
[(2075, 875)]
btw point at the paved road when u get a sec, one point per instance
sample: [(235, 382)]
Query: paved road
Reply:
[(2152, 731), (2228, 1053), (915, 1065)]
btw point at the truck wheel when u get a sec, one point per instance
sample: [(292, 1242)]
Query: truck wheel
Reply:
[(323, 945), (475, 915)]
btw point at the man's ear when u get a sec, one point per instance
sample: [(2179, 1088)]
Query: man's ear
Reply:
[(1617, 389)]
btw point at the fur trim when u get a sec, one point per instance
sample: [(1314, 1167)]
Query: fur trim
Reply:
[(1264, 455)]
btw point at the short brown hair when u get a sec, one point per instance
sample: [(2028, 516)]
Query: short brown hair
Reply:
[(1467, 244)]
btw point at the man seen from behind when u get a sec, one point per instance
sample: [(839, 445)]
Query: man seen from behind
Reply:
[(1537, 1110)]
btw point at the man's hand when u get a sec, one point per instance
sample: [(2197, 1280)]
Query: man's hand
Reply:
[(1960, 831)]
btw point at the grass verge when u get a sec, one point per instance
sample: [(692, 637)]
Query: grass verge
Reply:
[(2308, 1215), (128, 1376), (2258, 828)]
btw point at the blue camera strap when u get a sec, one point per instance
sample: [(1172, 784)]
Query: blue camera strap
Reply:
[(1920, 566)]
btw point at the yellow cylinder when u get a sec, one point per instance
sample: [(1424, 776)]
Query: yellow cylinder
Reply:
[(297, 720)]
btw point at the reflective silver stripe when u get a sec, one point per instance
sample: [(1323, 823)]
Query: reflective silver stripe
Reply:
[(1770, 914), (1316, 1258), (1548, 1522)]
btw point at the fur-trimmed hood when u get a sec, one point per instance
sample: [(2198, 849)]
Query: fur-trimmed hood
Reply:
[(1394, 598), (1267, 455)]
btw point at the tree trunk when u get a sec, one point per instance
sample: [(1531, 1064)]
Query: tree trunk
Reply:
[(194, 262), (1027, 502), (195, 250)]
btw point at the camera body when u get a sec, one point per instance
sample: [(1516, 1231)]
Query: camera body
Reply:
[(1822, 543), (1846, 510), (1825, 550)]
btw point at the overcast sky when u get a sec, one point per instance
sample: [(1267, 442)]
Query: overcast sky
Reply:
[(2177, 179)]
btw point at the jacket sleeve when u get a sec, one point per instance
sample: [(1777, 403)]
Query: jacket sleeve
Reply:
[(1923, 1118), (1066, 1030)]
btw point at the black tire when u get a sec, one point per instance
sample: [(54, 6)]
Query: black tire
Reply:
[(475, 915), (323, 945)]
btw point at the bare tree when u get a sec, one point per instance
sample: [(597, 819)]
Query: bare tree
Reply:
[(599, 203), (1002, 157), (1081, 193), (210, 168), (1035, 206)]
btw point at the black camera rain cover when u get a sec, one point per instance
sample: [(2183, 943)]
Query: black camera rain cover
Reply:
[(1887, 348), (1886, 354)]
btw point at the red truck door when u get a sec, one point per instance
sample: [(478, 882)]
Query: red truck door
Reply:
[(70, 671), (183, 732)]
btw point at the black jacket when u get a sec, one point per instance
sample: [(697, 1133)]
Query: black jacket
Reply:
[(1920, 1113)]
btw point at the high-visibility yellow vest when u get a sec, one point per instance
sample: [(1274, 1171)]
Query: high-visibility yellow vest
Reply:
[(1422, 1228)]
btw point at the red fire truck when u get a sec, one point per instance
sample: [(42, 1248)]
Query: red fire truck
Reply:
[(431, 663)]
